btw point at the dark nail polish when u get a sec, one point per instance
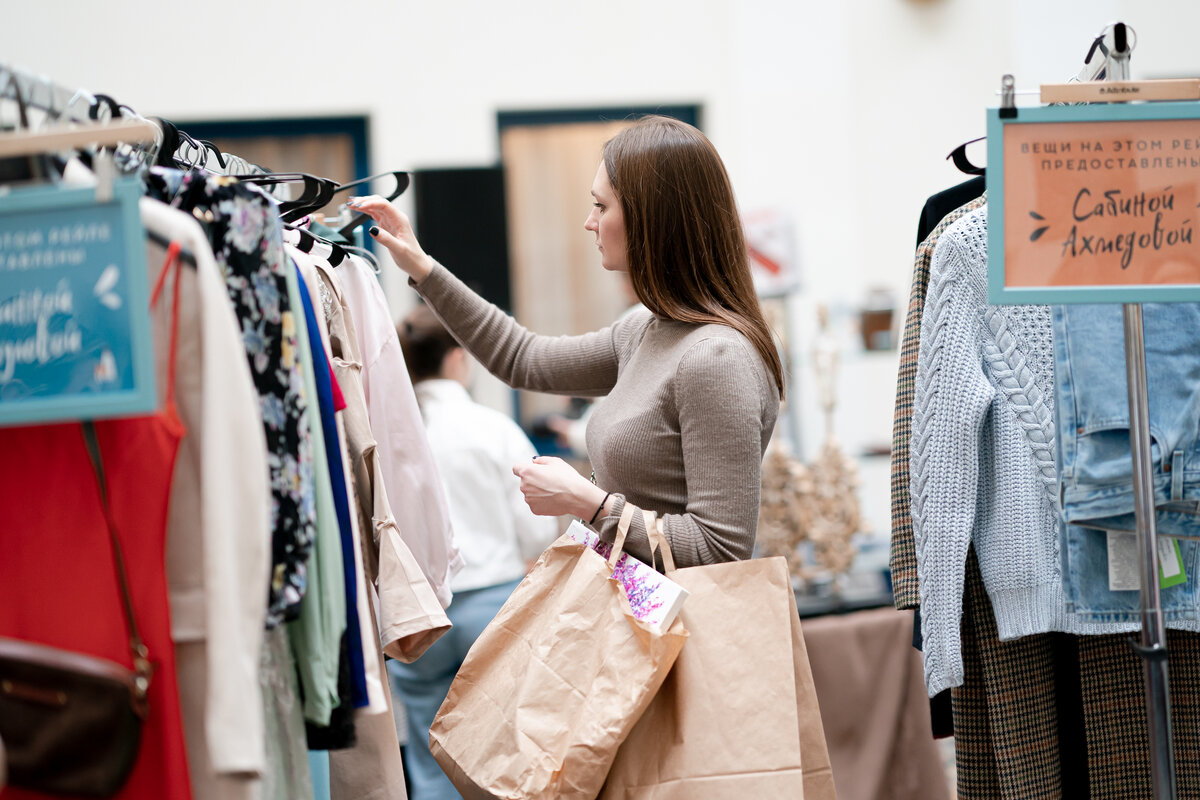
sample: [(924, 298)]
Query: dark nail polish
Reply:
[(374, 230)]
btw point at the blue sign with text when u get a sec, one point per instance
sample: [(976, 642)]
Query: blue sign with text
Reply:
[(74, 308)]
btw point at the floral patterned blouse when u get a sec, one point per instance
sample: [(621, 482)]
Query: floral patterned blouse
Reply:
[(246, 236)]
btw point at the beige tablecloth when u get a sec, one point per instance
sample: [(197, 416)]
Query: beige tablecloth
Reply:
[(873, 706)]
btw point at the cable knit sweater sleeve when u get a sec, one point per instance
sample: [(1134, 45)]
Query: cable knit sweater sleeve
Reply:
[(585, 366), (953, 395)]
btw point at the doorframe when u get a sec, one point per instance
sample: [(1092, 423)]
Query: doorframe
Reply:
[(684, 112)]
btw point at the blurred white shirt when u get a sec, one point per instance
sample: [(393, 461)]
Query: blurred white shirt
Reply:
[(475, 448)]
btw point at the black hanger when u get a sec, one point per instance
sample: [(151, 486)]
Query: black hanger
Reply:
[(216, 151), (170, 143), (317, 192), (308, 239), (184, 254), (1097, 44), (402, 182), (173, 139), (114, 108), (959, 157)]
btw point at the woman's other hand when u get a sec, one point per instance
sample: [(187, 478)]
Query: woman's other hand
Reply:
[(552, 487), (393, 230)]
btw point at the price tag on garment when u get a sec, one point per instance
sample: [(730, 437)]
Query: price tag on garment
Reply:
[(1094, 204), (1170, 563), (74, 307), (1123, 562)]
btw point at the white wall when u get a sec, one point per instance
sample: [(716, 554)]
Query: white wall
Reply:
[(840, 113)]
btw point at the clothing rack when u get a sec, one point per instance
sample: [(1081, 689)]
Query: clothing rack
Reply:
[(1152, 647), (98, 119), (60, 104)]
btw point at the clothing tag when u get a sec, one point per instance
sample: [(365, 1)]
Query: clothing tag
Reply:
[(1170, 563), (1122, 562)]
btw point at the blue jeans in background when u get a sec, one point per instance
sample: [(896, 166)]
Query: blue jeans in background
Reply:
[(422, 685)]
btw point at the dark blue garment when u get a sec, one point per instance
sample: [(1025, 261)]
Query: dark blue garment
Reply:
[(341, 498)]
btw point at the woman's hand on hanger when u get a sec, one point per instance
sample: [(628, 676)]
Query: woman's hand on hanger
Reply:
[(553, 487), (393, 230)]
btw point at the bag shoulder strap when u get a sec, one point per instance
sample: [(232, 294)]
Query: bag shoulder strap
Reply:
[(173, 259), (141, 655)]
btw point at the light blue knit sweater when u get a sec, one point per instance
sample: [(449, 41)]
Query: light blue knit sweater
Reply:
[(982, 461)]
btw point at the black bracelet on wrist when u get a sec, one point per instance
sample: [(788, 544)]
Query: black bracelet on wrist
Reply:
[(601, 508)]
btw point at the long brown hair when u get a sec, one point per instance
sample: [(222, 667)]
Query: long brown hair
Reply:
[(686, 251)]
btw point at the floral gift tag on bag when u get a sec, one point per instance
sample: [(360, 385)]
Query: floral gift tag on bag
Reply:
[(653, 597)]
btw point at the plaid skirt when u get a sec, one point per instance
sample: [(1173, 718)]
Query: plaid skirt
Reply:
[(1027, 708)]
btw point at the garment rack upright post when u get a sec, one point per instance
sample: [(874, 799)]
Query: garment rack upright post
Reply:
[(1152, 648), (1153, 645)]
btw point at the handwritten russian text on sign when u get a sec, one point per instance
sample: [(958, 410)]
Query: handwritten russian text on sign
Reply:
[(1093, 209), (74, 322)]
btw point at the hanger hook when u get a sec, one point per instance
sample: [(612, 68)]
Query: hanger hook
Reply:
[(959, 157), (80, 94)]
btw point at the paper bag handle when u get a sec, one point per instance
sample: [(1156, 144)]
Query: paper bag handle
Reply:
[(622, 531), (654, 533), (658, 541)]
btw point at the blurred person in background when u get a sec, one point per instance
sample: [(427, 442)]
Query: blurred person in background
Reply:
[(475, 448)]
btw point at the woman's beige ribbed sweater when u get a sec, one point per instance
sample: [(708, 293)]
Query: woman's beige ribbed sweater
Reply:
[(688, 414)]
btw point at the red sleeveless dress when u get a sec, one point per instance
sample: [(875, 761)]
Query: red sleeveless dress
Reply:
[(58, 582)]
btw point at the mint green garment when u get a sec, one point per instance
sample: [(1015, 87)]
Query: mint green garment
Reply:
[(316, 635)]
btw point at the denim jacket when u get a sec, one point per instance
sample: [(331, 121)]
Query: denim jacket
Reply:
[(1094, 455)]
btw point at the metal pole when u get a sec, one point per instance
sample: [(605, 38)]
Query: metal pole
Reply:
[(1154, 641), (1153, 648)]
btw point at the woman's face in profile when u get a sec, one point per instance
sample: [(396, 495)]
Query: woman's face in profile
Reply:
[(607, 222)]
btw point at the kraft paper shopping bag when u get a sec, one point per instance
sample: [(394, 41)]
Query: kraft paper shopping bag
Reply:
[(737, 717), (554, 683)]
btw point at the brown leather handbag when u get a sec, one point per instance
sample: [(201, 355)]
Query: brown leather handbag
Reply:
[(71, 722)]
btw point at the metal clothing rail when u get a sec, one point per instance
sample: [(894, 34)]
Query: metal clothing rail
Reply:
[(62, 105), (41, 93)]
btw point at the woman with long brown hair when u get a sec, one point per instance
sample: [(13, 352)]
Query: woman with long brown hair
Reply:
[(692, 383)]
